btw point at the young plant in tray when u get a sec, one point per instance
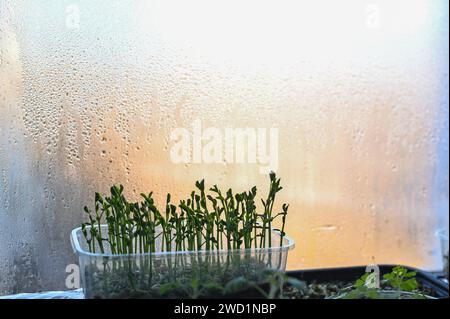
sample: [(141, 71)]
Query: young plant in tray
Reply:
[(144, 248), (398, 284)]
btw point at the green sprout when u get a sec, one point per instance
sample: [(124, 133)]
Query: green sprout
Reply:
[(207, 221), (230, 221), (400, 283), (401, 279)]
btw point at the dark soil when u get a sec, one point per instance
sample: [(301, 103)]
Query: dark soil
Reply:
[(333, 289)]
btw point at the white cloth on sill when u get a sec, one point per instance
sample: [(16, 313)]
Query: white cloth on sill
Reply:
[(69, 294)]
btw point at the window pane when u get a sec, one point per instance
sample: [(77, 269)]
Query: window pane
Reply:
[(357, 92)]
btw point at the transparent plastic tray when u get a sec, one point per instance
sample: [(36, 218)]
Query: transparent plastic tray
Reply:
[(443, 237), (173, 274)]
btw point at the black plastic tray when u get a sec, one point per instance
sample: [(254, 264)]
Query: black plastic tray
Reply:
[(351, 274)]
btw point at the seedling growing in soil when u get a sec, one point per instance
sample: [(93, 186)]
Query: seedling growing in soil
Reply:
[(401, 279), (272, 287), (207, 223), (398, 284), (231, 221)]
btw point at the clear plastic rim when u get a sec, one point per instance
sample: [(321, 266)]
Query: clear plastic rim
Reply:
[(77, 248), (442, 234)]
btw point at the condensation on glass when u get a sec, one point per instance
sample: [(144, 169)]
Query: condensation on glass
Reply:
[(90, 92)]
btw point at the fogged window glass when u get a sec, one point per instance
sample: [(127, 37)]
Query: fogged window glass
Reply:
[(346, 100)]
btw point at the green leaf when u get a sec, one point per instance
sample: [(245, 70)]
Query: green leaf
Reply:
[(372, 294), (165, 288), (409, 285), (411, 274), (235, 285), (213, 285), (361, 281), (195, 283), (388, 276)]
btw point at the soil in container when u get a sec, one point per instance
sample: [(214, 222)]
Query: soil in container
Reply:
[(180, 276)]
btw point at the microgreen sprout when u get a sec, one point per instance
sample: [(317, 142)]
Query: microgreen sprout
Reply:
[(127, 234), (214, 221)]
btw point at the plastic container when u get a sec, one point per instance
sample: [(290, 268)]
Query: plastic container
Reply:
[(182, 274), (443, 236)]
